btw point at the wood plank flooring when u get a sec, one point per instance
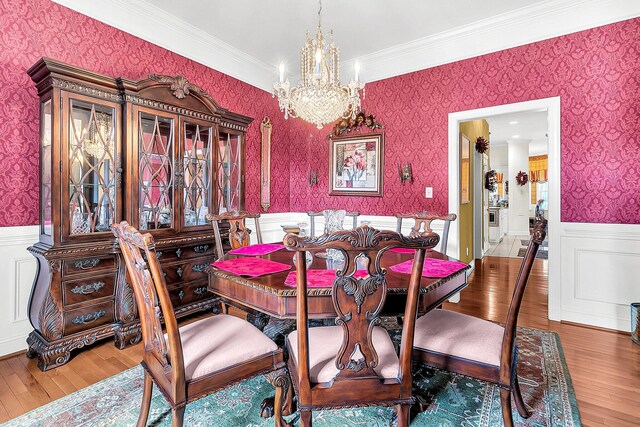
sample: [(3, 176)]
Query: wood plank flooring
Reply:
[(604, 365)]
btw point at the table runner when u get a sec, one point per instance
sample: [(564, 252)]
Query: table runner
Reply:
[(251, 267), (433, 267), (260, 249), (319, 278)]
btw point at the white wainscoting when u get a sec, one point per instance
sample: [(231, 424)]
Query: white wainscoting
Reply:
[(17, 271), (600, 272)]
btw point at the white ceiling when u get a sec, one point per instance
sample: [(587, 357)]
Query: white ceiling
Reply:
[(531, 125), (274, 30), (248, 38)]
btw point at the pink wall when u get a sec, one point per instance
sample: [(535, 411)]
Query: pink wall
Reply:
[(31, 29), (596, 74)]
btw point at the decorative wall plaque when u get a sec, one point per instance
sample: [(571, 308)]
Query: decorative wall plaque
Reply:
[(265, 164)]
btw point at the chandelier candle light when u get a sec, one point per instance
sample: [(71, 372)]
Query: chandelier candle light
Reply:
[(319, 98)]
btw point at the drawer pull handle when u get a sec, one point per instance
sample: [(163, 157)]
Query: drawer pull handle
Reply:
[(88, 289), (179, 252), (181, 294), (88, 318), (199, 268), (179, 272), (86, 264), (200, 291), (200, 249)]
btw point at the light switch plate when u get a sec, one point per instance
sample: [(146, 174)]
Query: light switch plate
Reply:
[(428, 192)]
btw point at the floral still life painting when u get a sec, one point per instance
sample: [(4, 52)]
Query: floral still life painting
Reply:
[(356, 165)]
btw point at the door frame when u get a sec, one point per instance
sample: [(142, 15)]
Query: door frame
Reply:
[(552, 106)]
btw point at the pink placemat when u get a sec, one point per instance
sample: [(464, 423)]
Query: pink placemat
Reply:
[(319, 278), (251, 267), (261, 249), (405, 250), (433, 267)]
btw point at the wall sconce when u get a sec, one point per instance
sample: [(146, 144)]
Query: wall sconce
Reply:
[(405, 172), (312, 177)]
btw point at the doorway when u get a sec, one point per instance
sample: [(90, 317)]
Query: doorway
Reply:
[(552, 108)]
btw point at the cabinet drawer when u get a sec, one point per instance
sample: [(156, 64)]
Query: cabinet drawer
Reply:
[(185, 252), (82, 265), (189, 293), (84, 318), (75, 291), (186, 271)]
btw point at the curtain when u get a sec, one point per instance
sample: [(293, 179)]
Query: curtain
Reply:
[(537, 173)]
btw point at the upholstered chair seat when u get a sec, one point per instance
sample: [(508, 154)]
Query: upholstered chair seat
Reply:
[(459, 335), (221, 341), (324, 344)]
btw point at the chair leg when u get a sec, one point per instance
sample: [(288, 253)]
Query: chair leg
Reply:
[(280, 380), (146, 400), (305, 418), (403, 415), (177, 416), (517, 396), (505, 401)]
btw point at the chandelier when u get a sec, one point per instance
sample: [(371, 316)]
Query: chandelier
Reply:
[(319, 98)]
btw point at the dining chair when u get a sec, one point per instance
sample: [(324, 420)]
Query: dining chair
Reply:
[(333, 219), (197, 359), (479, 348), (239, 234), (354, 363), (423, 224)]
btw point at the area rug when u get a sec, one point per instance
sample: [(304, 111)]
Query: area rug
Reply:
[(453, 400), (526, 243), (542, 254)]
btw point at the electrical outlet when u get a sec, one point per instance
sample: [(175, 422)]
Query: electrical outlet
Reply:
[(428, 192), (467, 251)]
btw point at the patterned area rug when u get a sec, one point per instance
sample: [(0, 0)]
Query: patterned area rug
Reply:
[(542, 254), (453, 400)]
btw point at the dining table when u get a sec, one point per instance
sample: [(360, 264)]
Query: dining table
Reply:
[(269, 296)]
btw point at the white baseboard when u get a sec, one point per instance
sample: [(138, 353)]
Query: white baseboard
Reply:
[(17, 271)]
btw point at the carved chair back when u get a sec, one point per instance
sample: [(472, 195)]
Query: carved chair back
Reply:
[(509, 339), (423, 225), (358, 295), (161, 356), (328, 214), (239, 234)]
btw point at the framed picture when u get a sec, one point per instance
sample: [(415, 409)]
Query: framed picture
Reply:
[(356, 165), (465, 169)]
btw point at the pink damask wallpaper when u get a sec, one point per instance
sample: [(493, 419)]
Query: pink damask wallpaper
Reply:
[(30, 29), (595, 72)]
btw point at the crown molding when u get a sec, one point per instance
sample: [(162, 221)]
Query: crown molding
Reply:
[(540, 21), (142, 19)]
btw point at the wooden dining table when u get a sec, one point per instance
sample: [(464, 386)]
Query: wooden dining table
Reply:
[(268, 296)]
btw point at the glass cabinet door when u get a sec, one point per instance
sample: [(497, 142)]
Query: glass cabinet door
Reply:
[(156, 142), (230, 167), (92, 167), (46, 215), (196, 174)]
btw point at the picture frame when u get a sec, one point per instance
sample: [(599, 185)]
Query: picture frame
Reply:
[(356, 165), (465, 169)]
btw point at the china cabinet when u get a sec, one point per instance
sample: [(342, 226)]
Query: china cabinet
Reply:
[(158, 153)]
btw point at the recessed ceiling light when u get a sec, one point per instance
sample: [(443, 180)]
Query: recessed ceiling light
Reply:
[(513, 123), (516, 136)]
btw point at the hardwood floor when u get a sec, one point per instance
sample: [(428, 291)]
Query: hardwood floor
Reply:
[(604, 365)]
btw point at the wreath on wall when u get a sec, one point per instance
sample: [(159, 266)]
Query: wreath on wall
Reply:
[(482, 145), (490, 181), (522, 178)]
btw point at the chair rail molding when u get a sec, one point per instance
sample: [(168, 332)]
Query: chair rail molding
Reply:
[(18, 269)]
